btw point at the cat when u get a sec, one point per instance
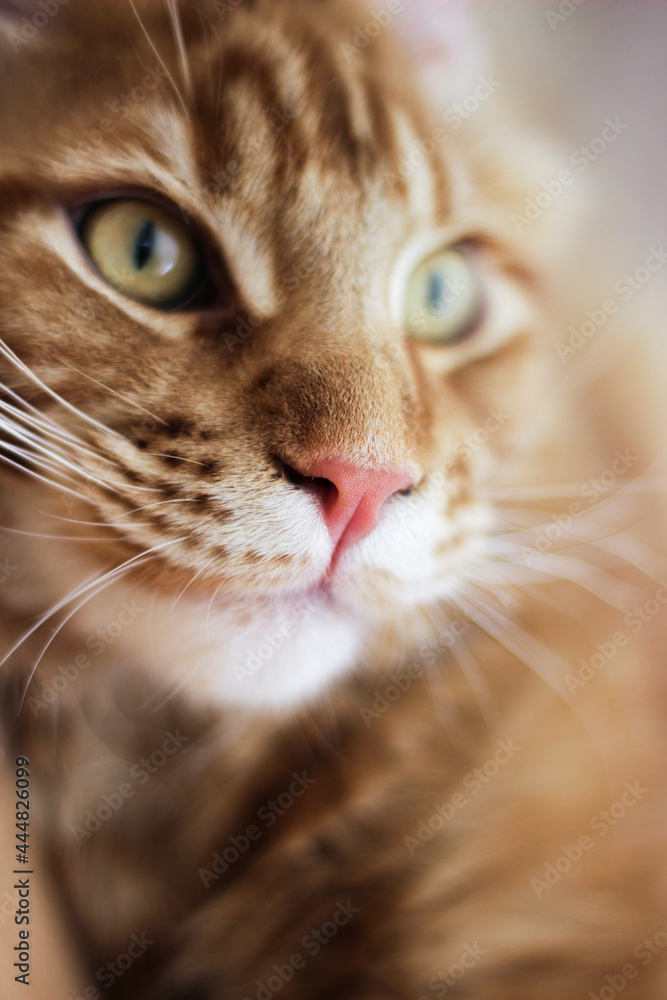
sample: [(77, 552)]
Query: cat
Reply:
[(326, 692)]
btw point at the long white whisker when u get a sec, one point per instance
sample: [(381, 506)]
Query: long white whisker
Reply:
[(189, 584), (85, 587), (105, 582), (67, 538), (36, 475), (180, 45), (159, 57), (107, 388), (16, 361), (640, 484), (46, 428)]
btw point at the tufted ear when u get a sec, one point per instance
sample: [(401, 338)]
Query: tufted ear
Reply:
[(444, 43)]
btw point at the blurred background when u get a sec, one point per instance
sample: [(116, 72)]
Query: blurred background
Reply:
[(571, 71)]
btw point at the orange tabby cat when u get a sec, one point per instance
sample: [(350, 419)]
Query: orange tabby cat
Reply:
[(314, 705)]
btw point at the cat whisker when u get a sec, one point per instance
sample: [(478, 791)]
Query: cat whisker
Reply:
[(35, 475), (640, 484), (113, 576), (520, 643), (188, 585), (177, 28), (89, 583), (14, 359), (105, 582), (159, 57), (39, 534), (472, 672), (55, 457), (125, 399), (570, 569), (49, 430)]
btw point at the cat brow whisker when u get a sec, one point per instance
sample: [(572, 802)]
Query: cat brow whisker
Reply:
[(184, 64), (159, 57)]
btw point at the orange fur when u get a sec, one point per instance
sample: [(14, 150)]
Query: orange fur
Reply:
[(284, 158)]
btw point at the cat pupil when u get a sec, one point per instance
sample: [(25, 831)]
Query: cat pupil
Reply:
[(435, 292), (144, 245)]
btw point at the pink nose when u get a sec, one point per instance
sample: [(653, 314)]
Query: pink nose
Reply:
[(351, 496)]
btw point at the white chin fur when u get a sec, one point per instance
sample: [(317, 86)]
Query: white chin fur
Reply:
[(283, 654), (292, 660)]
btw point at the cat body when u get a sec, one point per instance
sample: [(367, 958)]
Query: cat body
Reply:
[(294, 729)]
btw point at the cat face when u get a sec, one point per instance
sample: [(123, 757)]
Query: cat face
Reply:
[(292, 343)]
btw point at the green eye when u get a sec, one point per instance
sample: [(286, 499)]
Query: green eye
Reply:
[(444, 297), (143, 251)]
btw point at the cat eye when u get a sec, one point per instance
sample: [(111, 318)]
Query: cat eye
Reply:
[(144, 251), (443, 299)]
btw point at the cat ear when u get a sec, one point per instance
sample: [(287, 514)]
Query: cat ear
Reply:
[(444, 43)]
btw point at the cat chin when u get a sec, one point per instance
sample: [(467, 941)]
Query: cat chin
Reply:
[(287, 666), (273, 657)]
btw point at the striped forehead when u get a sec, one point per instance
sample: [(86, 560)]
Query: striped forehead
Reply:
[(281, 138)]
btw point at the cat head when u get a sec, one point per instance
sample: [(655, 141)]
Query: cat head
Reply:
[(262, 312)]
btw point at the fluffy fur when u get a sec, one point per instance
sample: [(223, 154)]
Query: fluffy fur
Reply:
[(145, 455)]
